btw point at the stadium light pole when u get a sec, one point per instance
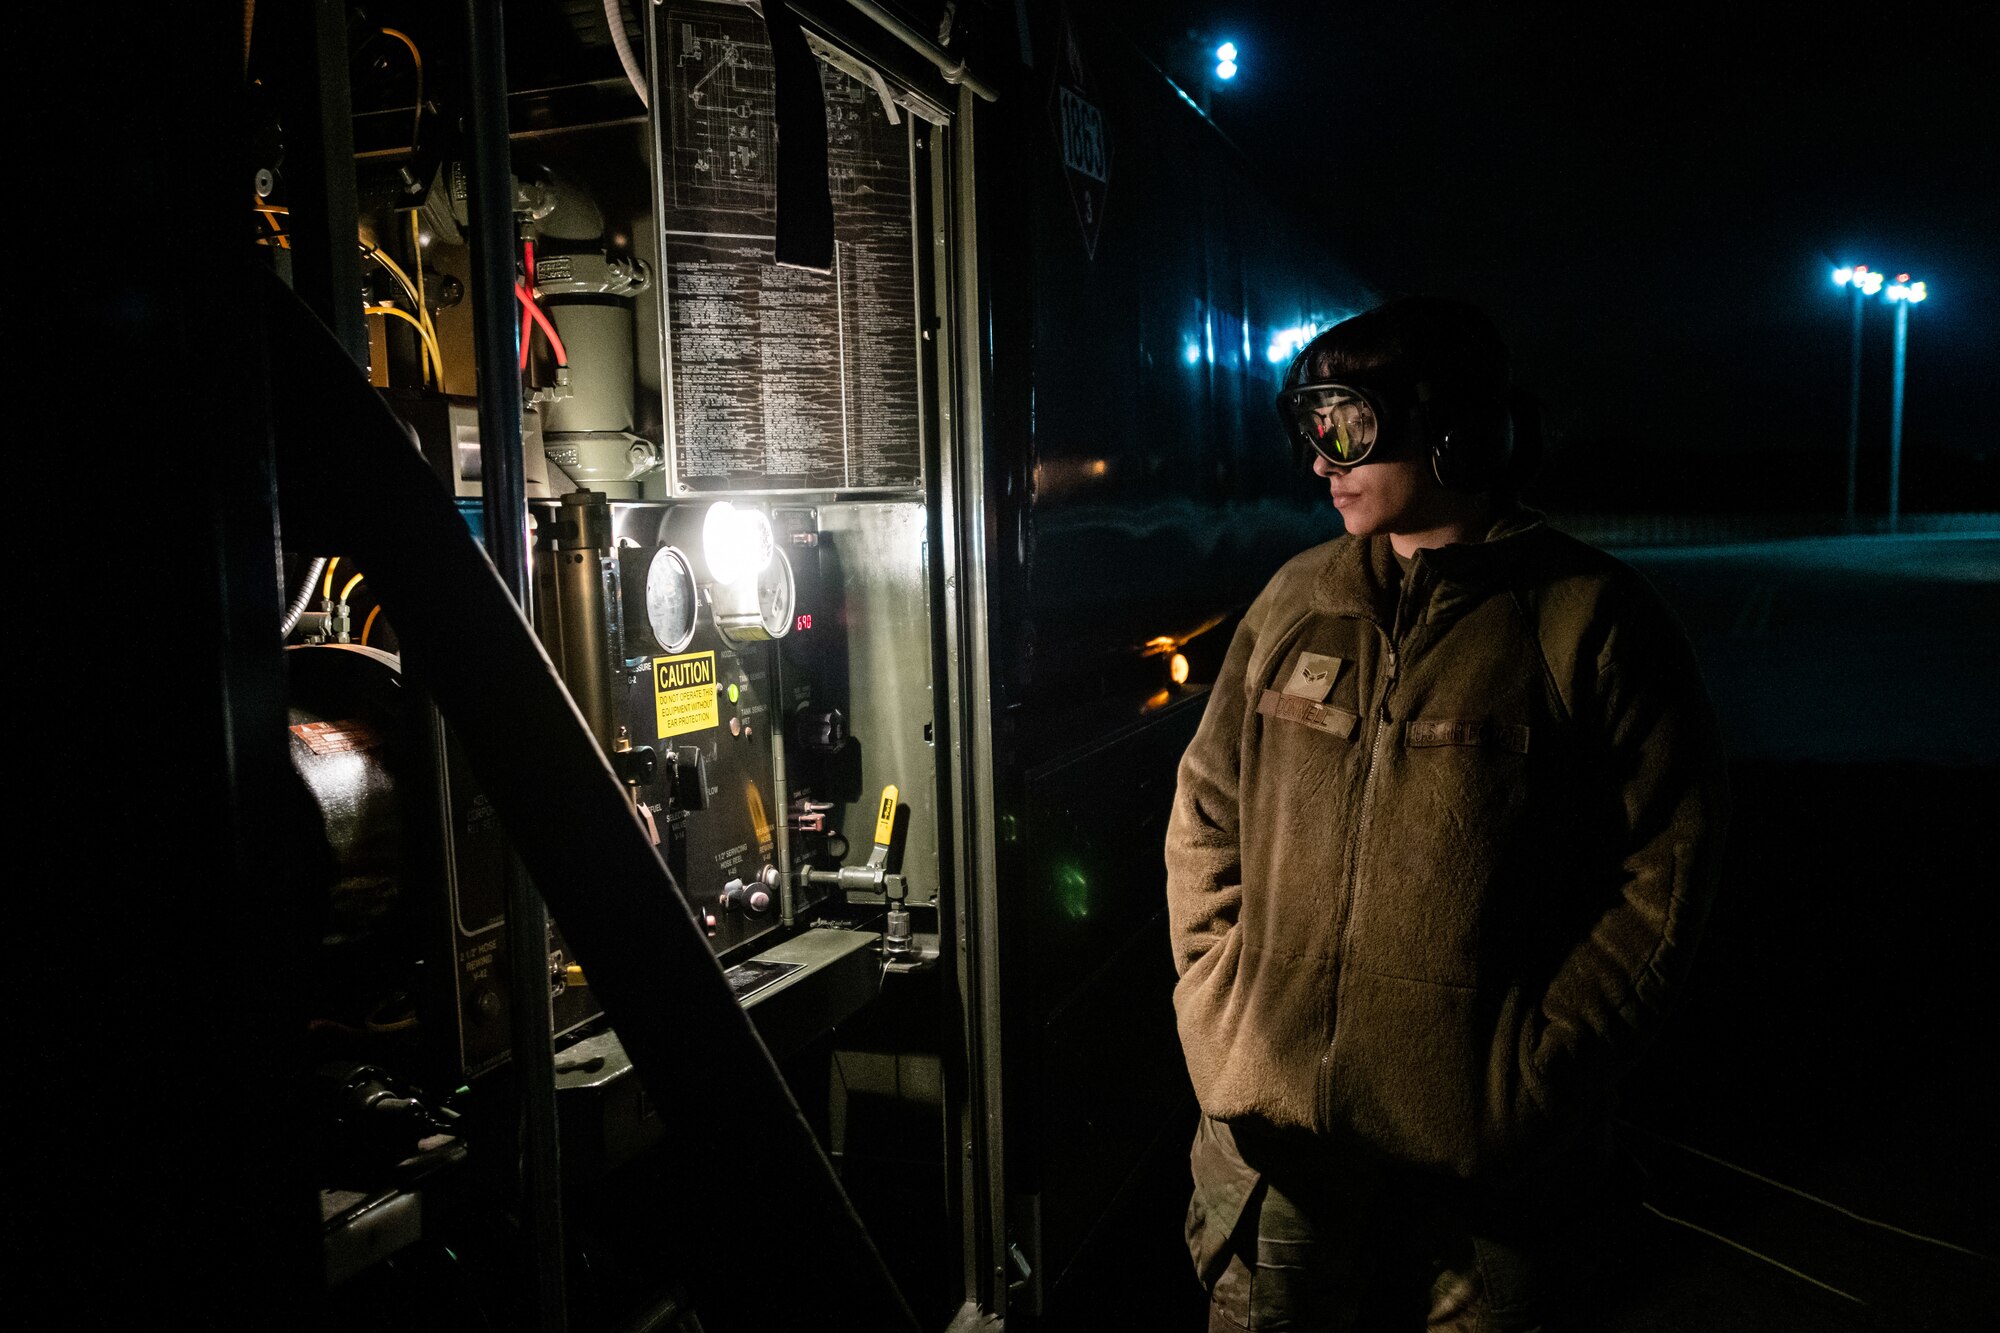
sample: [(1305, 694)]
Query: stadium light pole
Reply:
[(1902, 294), (1865, 282)]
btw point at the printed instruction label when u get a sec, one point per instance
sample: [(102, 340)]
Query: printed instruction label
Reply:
[(684, 693), (337, 737)]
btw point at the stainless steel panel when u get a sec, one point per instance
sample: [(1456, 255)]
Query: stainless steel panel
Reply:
[(884, 572)]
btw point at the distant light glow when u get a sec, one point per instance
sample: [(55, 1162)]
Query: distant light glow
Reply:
[(1177, 668), (1192, 352), (1917, 292), (1226, 70), (1902, 289), (1073, 891), (1867, 279), (1226, 52), (1285, 343)]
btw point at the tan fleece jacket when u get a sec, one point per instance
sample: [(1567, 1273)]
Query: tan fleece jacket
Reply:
[(1440, 852)]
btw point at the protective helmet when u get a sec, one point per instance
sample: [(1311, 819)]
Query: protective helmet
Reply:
[(1419, 372)]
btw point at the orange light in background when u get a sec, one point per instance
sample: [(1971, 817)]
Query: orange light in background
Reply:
[(1177, 668)]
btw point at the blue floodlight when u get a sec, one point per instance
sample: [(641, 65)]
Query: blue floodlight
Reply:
[(1226, 70), (1861, 276), (1902, 289), (1226, 52)]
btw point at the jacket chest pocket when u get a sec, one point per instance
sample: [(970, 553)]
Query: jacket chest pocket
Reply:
[(1421, 733), (1441, 845), (1468, 780)]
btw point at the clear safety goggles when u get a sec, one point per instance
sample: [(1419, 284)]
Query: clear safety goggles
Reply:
[(1340, 422)]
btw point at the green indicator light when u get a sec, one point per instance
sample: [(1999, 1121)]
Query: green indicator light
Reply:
[(734, 695), (1073, 890)]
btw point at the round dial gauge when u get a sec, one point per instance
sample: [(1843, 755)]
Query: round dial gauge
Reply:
[(670, 599), (776, 596)]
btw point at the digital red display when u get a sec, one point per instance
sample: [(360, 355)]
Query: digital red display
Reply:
[(804, 622)]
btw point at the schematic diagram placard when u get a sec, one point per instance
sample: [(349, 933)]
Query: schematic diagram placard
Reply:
[(723, 110), (782, 379)]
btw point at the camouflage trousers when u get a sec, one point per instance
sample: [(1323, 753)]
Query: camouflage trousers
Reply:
[(1287, 1234)]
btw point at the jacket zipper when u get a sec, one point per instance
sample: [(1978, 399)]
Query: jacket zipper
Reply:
[(1381, 725)]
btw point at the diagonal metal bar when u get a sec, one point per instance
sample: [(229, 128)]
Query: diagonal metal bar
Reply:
[(348, 477)]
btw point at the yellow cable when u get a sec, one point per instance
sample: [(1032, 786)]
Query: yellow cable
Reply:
[(409, 289), (369, 623), (425, 338), (423, 305), (416, 58), (327, 591), (348, 586), (395, 270)]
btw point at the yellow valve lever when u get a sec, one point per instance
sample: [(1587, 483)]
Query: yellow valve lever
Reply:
[(885, 826)]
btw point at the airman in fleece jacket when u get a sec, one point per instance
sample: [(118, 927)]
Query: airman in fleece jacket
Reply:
[(1441, 847)]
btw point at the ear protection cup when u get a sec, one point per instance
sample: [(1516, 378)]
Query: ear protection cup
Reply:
[(1471, 442)]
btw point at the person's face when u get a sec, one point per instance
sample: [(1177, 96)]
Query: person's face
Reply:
[(1389, 495)]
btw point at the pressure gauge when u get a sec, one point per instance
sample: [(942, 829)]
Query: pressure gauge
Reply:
[(777, 597), (670, 599)]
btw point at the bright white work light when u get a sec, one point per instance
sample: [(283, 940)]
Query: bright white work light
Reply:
[(735, 542)]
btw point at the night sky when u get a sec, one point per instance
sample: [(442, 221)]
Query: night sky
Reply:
[(1649, 201)]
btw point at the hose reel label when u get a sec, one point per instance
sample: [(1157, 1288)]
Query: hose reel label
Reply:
[(337, 737), (684, 693)]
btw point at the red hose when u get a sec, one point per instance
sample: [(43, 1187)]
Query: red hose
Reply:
[(548, 328), (527, 321)]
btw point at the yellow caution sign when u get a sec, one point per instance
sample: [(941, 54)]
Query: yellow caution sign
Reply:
[(684, 693)]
